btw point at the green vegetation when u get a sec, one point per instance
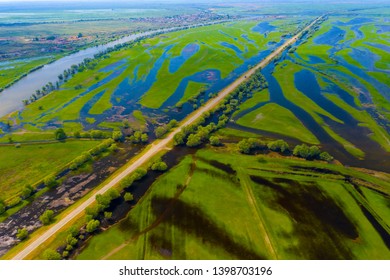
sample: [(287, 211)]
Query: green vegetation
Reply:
[(181, 218), (50, 254), (274, 118), (47, 217), (22, 234), (64, 105), (30, 164)]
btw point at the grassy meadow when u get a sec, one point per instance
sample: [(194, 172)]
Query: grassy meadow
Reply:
[(31, 163)]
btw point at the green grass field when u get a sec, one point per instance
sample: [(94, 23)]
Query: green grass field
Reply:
[(274, 118), (278, 209), (31, 163)]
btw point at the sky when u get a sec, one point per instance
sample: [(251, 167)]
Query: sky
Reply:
[(198, 1)]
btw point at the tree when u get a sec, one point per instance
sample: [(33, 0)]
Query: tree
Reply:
[(93, 210), (160, 131), (159, 166), (73, 231), (302, 151), (246, 146), (326, 156), (60, 134), (71, 240), (139, 174), (278, 146), (128, 196), (214, 141), (27, 191), (172, 124), (22, 234), (203, 133), (50, 254), (65, 254), (179, 138), (103, 201), (144, 138), (314, 152), (127, 182), (47, 217), (79, 35), (193, 140), (117, 135), (92, 226), (50, 182)]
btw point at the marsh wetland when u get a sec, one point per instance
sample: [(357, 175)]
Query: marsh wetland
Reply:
[(222, 187)]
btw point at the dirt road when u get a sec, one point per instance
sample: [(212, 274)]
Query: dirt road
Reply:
[(156, 147)]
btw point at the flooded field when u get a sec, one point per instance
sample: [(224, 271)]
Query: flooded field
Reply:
[(305, 212)]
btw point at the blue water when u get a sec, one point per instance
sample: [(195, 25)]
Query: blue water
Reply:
[(109, 78), (383, 28), (216, 84), (84, 112), (247, 38), (315, 59), (332, 88), (133, 90), (232, 47), (312, 59), (113, 66), (207, 77), (366, 58), (355, 21), (383, 89), (379, 46), (358, 33), (306, 82), (187, 52), (264, 27), (331, 38)]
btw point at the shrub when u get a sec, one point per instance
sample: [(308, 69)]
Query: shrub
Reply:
[(47, 217), (193, 140), (246, 146), (50, 182), (214, 141), (59, 134), (117, 136), (159, 166), (107, 215), (22, 233), (128, 196), (50, 254), (302, 151), (326, 156), (92, 226), (278, 146)]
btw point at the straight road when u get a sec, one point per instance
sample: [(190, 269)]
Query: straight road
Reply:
[(157, 147)]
